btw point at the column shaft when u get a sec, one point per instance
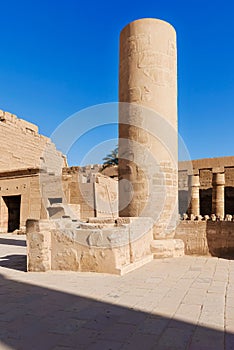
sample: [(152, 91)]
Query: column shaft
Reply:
[(194, 188), (218, 183), (148, 134)]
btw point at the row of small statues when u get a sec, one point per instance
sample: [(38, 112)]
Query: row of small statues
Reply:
[(212, 217)]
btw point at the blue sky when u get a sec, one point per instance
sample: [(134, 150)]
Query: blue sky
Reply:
[(59, 57)]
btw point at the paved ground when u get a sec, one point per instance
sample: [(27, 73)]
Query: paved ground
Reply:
[(183, 303)]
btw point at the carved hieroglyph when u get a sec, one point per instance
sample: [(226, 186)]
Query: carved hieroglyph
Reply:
[(148, 123)]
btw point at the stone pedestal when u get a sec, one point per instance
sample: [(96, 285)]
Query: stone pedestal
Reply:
[(194, 187), (118, 247), (218, 183), (148, 135)]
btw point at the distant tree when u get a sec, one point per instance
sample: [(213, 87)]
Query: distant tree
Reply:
[(111, 159)]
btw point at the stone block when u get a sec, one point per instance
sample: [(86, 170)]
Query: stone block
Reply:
[(61, 245), (38, 247), (170, 248)]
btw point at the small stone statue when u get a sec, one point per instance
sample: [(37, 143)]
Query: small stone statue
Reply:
[(228, 217), (213, 217), (192, 217), (185, 216), (206, 217)]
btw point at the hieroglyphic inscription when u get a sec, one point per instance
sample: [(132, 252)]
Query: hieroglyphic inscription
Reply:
[(158, 67), (154, 59), (138, 43), (159, 77), (138, 94)]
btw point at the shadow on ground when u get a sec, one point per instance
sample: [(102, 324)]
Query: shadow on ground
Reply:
[(38, 318), (17, 242), (15, 262)]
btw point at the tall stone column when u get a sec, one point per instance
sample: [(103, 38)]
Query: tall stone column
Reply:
[(194, 189), (218, 184), (148, 182)]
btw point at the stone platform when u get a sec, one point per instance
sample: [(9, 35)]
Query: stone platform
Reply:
[(116, 246)]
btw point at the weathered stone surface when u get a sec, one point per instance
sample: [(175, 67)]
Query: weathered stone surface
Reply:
[(61, 245), (39, 245), (96, 194), (207, 237), (167, 248), (148, 122), (23, 147), (24, 155), (102, 220)]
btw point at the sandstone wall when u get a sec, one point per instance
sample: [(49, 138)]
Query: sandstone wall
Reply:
[(96, 194), (208, 163), (78, 192), (22, 147), (207, 237), (30, 170), (28, 188)]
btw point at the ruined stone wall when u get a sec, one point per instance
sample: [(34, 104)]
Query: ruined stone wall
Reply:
[(207, 237), (77, 192), (22, 147), (25, 156), (96, 194), (88, 170)]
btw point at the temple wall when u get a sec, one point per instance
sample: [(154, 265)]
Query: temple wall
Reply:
[(205, 168), (207, 237), (22, 147), (96, 194), (28, 189), (208, 163), (30, 168)]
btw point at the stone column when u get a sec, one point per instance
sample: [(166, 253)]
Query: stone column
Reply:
[(218, 183), (194, 187), (148, 123)]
